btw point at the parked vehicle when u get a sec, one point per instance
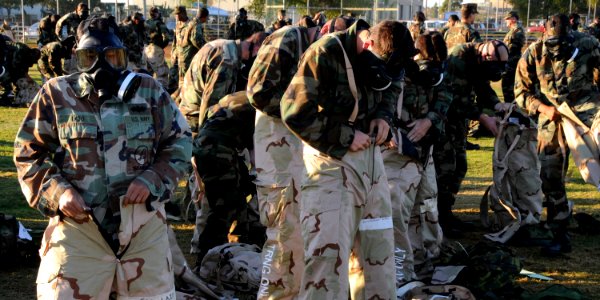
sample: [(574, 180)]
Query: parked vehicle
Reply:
[(32, 32)]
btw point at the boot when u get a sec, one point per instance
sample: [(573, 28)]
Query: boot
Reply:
[(561, 243), (471, 146)]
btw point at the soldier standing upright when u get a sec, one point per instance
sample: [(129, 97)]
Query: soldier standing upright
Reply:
[(242, 28), (101, 164), (278, 159), (346, 214), (419, 121), (515, 41), (157, 34), (188, 40), (132, 34), (463, 32), (71, 21), (567, 60), (470, 68)]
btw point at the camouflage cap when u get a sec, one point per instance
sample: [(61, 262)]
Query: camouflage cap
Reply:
[(511, 14), (470, 8)]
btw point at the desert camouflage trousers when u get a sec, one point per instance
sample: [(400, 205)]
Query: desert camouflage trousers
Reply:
[(26, 89), (77, 263), (154, 56), (346, 217), (280, 170), (417, 233)]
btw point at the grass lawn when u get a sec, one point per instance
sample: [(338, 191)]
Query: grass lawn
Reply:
[(579, 269)]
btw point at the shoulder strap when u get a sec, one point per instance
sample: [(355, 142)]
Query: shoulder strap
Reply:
[(351, 81), (299, 42)]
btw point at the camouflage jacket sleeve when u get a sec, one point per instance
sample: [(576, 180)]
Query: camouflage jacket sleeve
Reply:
[(272, 72), (474, 36), (55, 60), (526, 81), (35, 147), (197, 35), (305, 110), (462, 86), (172, 159), (438, 109), (62, 22), (220, 81)]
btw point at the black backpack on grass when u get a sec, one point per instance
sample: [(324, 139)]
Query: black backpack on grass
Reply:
[(9, 233)]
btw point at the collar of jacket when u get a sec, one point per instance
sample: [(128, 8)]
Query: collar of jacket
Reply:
[(349, 37)]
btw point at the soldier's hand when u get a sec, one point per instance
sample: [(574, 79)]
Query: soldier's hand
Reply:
[(383, 130), (360, 142), (419, 129), (489, 123), (137, 193), (71, 204), (549, 111)]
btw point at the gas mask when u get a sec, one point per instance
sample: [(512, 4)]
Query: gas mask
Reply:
[(374, 71), (247, 63), (493, 70), (430, 73), (560, 47), (102, 55)]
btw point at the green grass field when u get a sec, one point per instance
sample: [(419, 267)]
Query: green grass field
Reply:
[(579, 269)]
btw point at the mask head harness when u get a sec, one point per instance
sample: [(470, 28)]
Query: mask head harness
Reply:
[(431, 60), (101, 54), (493, 56), (397, 49)]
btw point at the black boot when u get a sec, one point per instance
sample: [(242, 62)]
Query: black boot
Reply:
[(561, 243)]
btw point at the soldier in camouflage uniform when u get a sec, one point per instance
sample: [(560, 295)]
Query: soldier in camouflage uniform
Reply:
[(47, 30), (133, 36), (95, 164), (418, 27), (470, 68), (345, 212), (515, 41), (558, 69), (71, 21), (594, 28), (17, 58), (463, 32), (52, 54), (214, 73), (242, 28), (278, 159), (157, 35), (226, 132), (419, 121), (188, 40), (452, 20)]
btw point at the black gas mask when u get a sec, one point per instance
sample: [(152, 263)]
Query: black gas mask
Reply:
[(376, 73), (429, 73), (102, 55), (493, 70), (247, 63), (560, 47)]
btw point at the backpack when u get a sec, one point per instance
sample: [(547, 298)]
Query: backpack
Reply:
[(233, 266), (450, 292), (490, 269), (515, 196)]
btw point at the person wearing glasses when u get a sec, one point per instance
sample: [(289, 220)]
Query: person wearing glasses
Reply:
[(99, 152)]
